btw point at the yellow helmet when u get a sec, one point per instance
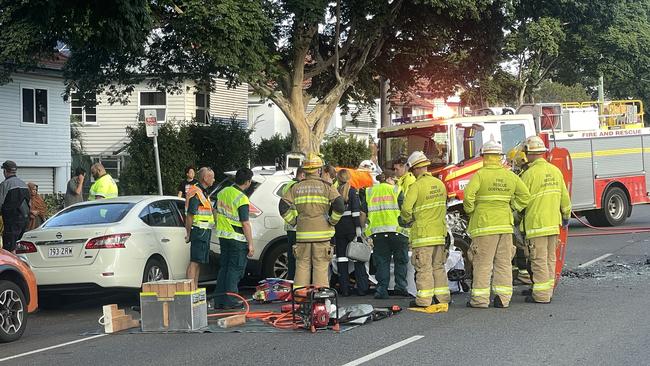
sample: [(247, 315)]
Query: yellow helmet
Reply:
[(534, 145), (492, 147), (312, 162), (417, 160), (516, 156)]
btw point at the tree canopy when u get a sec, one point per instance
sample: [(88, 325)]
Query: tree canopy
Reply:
[(290, 51)]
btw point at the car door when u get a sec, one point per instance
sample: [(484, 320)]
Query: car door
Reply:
[(169, 232)]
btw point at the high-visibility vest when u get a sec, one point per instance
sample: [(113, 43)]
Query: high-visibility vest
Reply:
[(203, 218), (229, 200), (104, 186), (383, 209)]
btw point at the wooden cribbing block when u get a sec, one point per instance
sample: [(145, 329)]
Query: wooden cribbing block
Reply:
[(231, 321), (116, 320)]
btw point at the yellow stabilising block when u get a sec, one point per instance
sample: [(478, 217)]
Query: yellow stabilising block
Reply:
[(435, 308)]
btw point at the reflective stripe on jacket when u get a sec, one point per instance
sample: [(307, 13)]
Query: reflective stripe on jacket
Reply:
[(383, 209), (426, 206), (229, 200), (204, 218), (490, 196), (307, 205), (549, 199), (104, 186)]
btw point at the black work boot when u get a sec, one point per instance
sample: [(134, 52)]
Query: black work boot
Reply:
[(414, 304), (498, 303), (527, 292), (530, 299)]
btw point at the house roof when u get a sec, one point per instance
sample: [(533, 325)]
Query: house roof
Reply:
[(55, 62)]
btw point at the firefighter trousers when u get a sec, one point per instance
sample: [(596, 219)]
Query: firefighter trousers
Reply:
[(430, 274), (312, 263), (542, 265), (491, 257)]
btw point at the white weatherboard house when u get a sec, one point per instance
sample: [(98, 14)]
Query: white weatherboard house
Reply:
[(35, 127), (104, 127)]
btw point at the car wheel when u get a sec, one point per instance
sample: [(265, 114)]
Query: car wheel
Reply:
[(276, 262), (13, 312), (155, 270)]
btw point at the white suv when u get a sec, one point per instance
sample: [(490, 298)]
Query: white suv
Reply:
[(269, 237)]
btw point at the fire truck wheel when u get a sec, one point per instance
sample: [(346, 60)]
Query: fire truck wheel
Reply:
[(616, 208)]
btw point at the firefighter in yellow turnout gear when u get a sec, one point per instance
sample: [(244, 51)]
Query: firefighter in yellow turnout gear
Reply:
[(549, 207), (307, 205), (491, 195), (425, 206)]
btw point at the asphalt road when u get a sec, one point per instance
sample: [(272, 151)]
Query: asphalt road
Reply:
[(599, 316)]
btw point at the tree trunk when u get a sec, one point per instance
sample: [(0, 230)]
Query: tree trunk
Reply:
[(521, 95)]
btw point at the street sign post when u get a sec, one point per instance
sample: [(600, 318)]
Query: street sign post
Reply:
[(151, 124)]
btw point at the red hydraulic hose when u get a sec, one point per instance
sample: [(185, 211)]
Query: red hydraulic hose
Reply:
[(278, 320), (607, 231)]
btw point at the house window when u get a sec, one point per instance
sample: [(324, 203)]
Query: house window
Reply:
[(202, 113), (79, 113), (34, 105), (112, 165), (154, 100)]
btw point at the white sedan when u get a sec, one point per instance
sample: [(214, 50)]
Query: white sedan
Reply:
[(120, 242)]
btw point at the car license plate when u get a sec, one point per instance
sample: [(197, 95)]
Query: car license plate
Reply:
[(59, 252)]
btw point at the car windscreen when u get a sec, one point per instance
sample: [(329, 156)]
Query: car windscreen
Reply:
[(100, 213)]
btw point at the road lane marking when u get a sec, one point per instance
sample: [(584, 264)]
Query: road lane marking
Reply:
[(595, 260), (383, 351), (51, 347)]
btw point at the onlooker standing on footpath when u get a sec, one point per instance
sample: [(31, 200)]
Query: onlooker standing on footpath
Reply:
[(291, 229), (199, 222), (235, 238), (74, 189), (14, 206), (37, 208), (104, 186), (347, 229), (186, 183)]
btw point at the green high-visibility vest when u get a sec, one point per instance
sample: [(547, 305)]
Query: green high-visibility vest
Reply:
[(104, 186), (383, 209), (229, 200)]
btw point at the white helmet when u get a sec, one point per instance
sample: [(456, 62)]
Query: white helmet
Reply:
[(492, 147), (417, 160), (534, 144), (370, 166)]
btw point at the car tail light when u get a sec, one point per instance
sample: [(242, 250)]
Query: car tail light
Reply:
[(253, 210), (23, 247), (108, 241)]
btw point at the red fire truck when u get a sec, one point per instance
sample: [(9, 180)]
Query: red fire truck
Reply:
[(608, 153)]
